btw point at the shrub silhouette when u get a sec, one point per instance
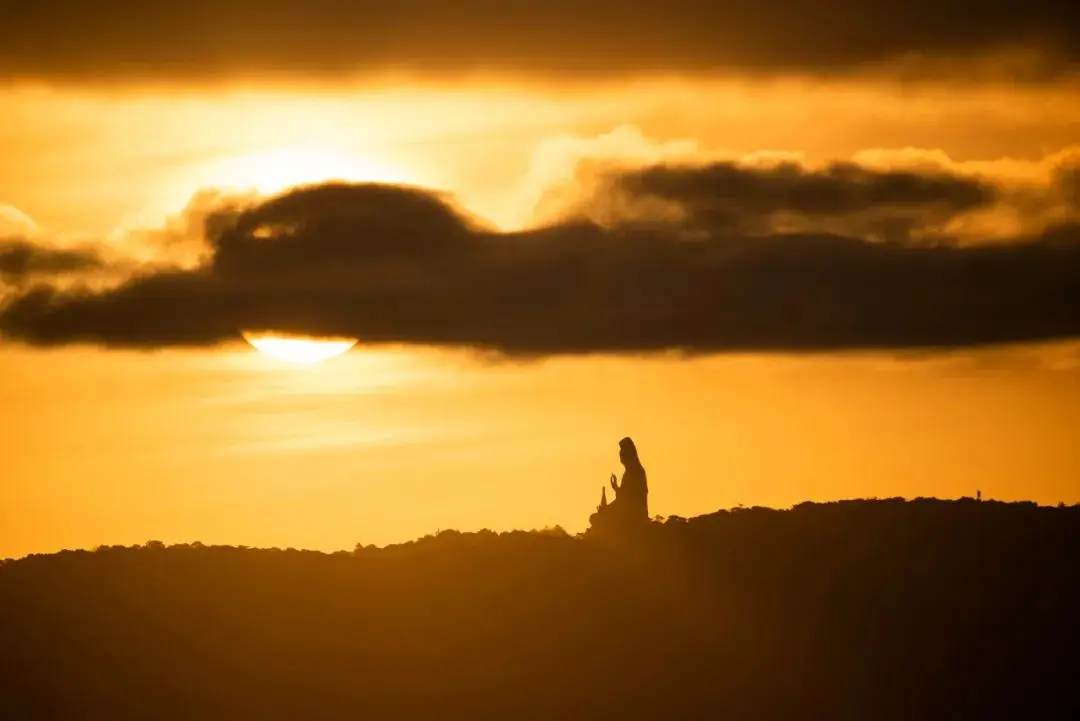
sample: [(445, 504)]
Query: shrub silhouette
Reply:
[(888, 609)]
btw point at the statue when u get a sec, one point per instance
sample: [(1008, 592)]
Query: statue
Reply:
[(631, 505)]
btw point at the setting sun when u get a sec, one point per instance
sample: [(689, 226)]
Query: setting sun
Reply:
[(294, 349)]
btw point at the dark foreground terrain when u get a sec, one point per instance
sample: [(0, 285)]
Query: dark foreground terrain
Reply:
[(865, 610)]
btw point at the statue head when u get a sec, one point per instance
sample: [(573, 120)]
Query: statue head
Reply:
[(627, 451)]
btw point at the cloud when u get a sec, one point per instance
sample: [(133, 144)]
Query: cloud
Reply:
[(558, 168), (24, 257), (181, 239), (841, 188), (892, 205), (395, 264), (22, 260), (1068, 180), (908, 194), (14, 222), (205, 39)]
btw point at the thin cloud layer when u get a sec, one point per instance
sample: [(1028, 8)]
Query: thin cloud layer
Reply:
[(202, 39), (391, 264)]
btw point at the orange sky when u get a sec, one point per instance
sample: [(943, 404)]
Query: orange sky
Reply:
[(227, 446)]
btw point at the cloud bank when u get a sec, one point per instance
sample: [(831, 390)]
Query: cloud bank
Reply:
[(202, 39), (699, 258)]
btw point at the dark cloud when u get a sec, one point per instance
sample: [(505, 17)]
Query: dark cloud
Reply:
[(396, 264), (889, 205), (837, 189), (21, 260), (201, 39)]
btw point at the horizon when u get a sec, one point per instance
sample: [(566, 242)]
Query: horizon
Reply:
[(313, 274), (551, 530)]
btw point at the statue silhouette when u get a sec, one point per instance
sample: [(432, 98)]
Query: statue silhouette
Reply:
[(631, 505)]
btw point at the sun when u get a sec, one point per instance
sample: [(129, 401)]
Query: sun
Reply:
[(298, 349)]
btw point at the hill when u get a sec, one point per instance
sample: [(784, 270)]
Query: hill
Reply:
[(868, 610)]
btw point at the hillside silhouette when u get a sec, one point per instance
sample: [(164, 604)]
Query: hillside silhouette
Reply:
[(869, 610)]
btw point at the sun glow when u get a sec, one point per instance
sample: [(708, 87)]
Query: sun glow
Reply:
[(285, 167), (298, 349)]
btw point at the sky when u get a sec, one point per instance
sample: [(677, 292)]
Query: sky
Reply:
[(797, 251)]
